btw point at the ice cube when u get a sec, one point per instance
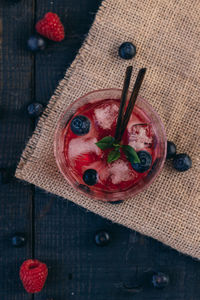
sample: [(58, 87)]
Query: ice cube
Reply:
[(119, 171), (104, 173), (82, 145), (140, 136), (106, 115)]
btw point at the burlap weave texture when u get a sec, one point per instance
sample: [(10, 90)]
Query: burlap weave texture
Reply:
[(167, 36)]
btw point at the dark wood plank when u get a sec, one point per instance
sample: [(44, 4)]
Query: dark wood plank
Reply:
[(15, 127), (78, 269)]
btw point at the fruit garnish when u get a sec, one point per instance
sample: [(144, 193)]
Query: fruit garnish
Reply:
[(80, 125), (90, 177), (114, 143), (145, 162)]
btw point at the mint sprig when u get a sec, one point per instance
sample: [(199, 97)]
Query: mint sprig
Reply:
[(113, 155), (105, 143), (131, 154), (108, 142)]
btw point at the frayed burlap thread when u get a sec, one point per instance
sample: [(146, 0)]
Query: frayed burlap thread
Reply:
[(167, 37)]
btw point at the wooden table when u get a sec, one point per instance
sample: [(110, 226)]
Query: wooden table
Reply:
[(59, 232)]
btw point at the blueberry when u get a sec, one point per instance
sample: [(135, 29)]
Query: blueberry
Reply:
[(127, 50), (18, 240), (171, 149), (102, 238), (36, 43), (35, 109), (182, 162), (80, 125), (90, 177), (145, 162), (160, 280)]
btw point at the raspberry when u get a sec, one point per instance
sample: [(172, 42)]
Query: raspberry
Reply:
[(33, 274), (51, 27)]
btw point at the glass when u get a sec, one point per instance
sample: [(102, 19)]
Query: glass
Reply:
[(75, 154)]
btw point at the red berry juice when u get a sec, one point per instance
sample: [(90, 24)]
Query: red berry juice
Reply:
[(81, 152)]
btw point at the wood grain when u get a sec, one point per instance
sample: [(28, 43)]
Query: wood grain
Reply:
[(15, 127), (63, 233)]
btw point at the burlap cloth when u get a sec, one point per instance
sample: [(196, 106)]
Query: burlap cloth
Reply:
[(167, 36)]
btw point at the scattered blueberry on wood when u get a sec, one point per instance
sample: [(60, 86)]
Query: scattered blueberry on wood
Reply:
[(160, 280), (102, 238), (127, 50), (35, 109), (36, 43), (18, 240)]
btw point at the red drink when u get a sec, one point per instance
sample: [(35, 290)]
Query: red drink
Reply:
[(118, 179)]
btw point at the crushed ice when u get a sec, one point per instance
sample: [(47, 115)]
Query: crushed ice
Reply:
[(120, 171), (138, 138), (82, 145), (106, 115)]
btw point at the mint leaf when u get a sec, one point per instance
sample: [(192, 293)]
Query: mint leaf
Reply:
[(117, 145), (105, 143), (131, 154), (113, 155)]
